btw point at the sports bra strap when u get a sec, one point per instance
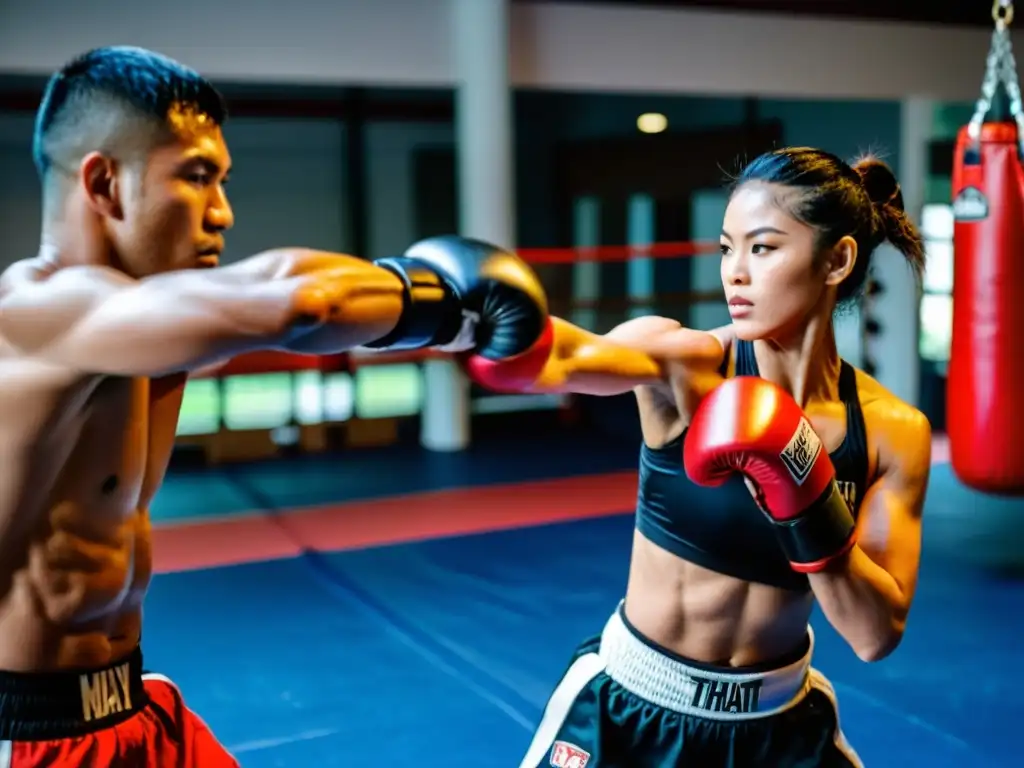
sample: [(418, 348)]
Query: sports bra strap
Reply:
[(746, 362)]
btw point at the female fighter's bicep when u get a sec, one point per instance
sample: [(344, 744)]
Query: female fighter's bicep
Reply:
[(889, 525)]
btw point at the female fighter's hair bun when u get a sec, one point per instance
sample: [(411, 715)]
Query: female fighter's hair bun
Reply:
[(889, 219), (879, 182)]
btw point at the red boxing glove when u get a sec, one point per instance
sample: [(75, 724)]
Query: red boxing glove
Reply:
[(754, 427)]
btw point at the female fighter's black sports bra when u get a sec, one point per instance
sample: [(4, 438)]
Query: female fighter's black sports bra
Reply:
[(722, 528)]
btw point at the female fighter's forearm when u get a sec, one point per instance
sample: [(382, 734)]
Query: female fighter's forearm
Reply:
[(585, 363), (596, 372), (864, 603)]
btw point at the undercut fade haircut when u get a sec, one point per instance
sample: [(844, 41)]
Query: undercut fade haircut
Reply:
[(117, 100)]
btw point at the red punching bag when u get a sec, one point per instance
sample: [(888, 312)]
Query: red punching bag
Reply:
[(984, 410), (985, 404)]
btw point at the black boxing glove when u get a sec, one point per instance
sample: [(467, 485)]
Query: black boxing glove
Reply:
[(468, 296), (431, 313)]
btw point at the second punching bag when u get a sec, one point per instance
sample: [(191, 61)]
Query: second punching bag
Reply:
[(985, 406)]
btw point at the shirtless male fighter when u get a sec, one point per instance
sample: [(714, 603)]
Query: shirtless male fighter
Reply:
[(97, 335), (707, 661)]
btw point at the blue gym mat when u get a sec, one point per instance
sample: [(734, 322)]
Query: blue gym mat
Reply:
[(443, 653)]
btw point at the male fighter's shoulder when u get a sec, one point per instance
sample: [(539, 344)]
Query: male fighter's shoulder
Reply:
[(670, 340), (45, 279), (21, 274), (40, 301)]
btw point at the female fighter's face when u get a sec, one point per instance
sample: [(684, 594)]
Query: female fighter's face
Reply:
[(773, 282), (175, 209)]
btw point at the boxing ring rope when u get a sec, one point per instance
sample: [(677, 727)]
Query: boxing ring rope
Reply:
[(616, 253)]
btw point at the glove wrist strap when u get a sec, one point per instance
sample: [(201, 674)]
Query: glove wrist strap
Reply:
[(821, 535), (431, 314)]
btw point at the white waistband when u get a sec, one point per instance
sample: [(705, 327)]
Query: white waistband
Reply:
[(716, 694)]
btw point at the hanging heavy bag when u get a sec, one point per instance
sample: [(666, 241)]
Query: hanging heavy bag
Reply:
[(985, 410)]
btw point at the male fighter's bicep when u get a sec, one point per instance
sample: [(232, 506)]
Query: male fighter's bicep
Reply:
[(889, 527), (101, 321)]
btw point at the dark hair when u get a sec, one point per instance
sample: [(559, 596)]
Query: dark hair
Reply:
[(87, 103), (862, 200)]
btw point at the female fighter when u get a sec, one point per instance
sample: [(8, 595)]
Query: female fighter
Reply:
[(804, 480)]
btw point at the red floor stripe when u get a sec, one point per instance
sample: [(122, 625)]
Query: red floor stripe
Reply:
[(396, 519), (391, 520), (247, 539)]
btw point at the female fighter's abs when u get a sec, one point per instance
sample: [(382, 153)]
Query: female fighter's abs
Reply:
[(74, 532), (708, 617)]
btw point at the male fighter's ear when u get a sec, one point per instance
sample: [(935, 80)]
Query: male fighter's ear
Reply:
[(98, 173), (841, 260)]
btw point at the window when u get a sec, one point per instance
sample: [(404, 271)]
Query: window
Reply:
[(200, 408), (937, 302), (267, 401), (387, 391)]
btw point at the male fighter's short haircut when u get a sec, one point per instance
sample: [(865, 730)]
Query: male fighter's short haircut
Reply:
[(836, 198), (117, 100)]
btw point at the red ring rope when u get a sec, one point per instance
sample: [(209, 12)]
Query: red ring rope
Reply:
[(615, 253)]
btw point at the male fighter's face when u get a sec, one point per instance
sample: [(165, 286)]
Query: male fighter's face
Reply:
[(175, 209), (772, 280)]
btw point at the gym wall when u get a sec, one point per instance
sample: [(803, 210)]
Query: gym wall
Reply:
[(288, 180), (553, 46)]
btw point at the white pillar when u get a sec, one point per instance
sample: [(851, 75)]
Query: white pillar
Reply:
[(483, 120), (897, 309), (483, 129)]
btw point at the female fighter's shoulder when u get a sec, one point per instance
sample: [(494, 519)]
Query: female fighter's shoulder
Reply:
[(896, 427)]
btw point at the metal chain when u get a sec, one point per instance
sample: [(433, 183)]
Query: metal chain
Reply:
[(1011, 82), (1000, 66)]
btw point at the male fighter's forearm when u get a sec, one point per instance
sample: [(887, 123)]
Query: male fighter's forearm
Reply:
[(374, 319), (864, 604), (366, 301)]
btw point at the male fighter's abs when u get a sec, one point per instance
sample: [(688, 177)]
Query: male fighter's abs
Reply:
[(74, 530)]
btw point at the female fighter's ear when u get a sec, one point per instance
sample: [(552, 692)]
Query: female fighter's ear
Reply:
[(841, 260)]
